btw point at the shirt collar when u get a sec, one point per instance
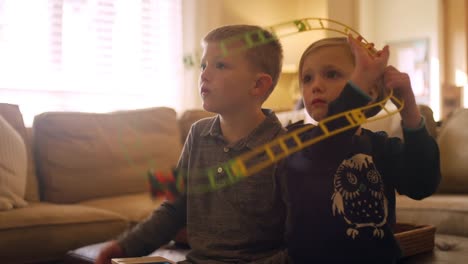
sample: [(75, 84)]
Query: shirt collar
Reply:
[(262, 134), (213, 128)]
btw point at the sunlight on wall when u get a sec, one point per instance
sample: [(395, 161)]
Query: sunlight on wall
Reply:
[(465, 96), (398, 21), (435, 88), (460, 78), (90, 57)]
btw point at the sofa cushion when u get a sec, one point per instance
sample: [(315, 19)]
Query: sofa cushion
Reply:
[(453, 145), (447, 212), (134, 207), (13, 163), (83, 156), (13, 116), (43, 231)]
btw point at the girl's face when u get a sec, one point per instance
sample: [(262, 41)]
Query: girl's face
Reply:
[(324, 74)]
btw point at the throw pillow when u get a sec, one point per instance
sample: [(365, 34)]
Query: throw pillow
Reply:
[(13, 116), (453, 142), (83, 156), (13, 167)]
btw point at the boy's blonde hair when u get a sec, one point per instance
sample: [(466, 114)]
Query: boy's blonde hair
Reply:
[(267, 56), (343, 42)]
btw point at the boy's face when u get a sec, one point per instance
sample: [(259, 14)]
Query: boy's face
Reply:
[(324, 75), (225, 83)]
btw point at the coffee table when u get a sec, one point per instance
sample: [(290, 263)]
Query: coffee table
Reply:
[(448, 249)]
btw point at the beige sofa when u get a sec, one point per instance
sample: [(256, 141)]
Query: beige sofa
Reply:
[(448, 208), (86, 177)]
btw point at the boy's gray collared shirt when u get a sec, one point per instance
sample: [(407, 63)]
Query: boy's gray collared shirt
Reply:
[(242, 221)]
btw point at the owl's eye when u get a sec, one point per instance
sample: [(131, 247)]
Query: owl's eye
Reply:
[(351, 178), (373, 176)]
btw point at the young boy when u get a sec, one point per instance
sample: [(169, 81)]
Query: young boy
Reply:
[(244, 222), (341, 191)]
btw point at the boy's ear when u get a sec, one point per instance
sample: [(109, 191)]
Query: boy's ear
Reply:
[(262, 84)]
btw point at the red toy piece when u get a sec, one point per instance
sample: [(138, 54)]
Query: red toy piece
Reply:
[(165, 184)]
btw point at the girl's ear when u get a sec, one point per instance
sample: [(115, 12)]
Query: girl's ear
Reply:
[(262, 85)]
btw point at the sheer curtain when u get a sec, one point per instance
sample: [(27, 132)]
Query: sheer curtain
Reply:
[(90, 55)]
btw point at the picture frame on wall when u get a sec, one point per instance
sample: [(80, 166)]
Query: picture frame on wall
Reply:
[(412, 56)]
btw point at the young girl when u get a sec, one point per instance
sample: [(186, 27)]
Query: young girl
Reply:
[(342, 190)]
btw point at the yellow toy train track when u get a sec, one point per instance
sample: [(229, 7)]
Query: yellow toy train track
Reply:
[(248, 163), (281, 30)]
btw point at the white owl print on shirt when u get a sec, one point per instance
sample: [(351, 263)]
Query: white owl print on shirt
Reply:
[(359, 195)]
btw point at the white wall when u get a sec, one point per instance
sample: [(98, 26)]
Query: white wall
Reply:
[(455, 30), (345, 12), (379, 21), (384, 21), (272, 12), (200, 16)]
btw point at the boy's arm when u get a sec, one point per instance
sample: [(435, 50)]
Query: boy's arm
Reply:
[(164, 223), (350, 98), (416, 163), (156, 230), (401, 85)]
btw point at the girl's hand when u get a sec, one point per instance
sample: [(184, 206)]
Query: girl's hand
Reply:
[(369, 67), (401, 85)]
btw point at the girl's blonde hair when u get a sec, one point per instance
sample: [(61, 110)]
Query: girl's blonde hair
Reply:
[(343, 42)]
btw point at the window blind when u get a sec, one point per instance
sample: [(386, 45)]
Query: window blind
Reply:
[(90, 55)]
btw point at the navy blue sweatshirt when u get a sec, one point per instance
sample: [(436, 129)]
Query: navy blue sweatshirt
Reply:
[(341, 191)]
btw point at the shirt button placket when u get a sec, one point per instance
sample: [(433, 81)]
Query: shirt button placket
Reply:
[(220, 176)]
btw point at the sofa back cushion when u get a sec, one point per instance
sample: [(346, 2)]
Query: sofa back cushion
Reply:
[(189, 117), (82, 156), (11, 113), (453, 145), (13, 167)]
